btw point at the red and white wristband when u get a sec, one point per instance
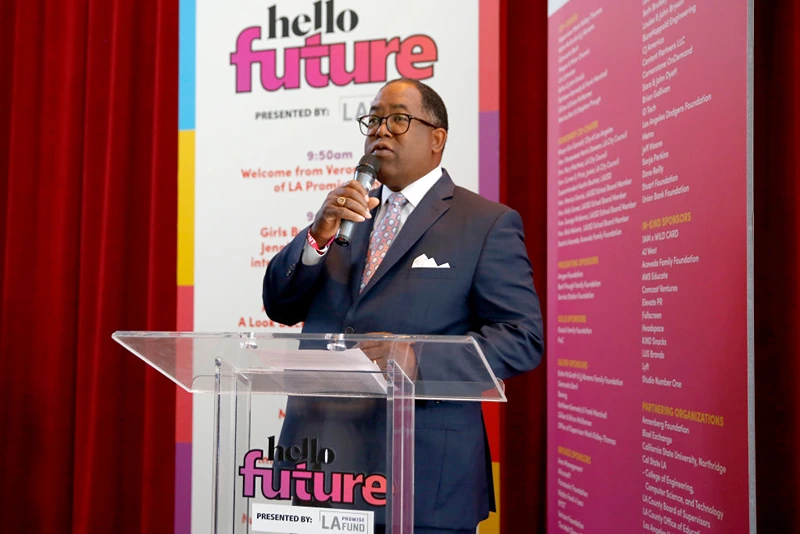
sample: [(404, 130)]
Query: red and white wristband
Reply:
[(315, 245)]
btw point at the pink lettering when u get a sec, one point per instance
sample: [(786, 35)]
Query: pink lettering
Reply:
[(408, 57), (340, 76), (268, 489), (249, 472), (319, 487), (301, 477), (351, 482), (374, 484), (379, 51), (304, 484), (244, 57), (313, 52), (414, 58)]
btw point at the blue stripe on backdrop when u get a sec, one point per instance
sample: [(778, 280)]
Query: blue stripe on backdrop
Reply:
[(186, 64)]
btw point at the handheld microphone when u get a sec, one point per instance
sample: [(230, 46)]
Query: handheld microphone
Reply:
[(366, 172)]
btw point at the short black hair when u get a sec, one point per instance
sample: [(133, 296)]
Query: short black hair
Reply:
[(431, 101)]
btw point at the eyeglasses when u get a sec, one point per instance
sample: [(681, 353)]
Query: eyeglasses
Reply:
[(396, 123)]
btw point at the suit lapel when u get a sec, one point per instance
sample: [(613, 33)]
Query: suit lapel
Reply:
[(433, 205)]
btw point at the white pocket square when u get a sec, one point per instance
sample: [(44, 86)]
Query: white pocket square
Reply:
[(424, 262)]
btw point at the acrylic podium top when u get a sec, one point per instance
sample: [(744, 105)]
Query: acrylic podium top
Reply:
[(337, 365)]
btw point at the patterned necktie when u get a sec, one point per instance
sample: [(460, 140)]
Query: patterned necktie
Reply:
[(383, 236)]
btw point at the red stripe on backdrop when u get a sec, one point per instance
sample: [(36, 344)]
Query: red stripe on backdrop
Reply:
[(186, 308), (488, 55), (183, 400), (183, 416), (491, 418), (523, 186)]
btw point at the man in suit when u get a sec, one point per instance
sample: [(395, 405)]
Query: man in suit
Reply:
[(487, 292)]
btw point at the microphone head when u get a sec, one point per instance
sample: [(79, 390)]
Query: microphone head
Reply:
[(369, 164)]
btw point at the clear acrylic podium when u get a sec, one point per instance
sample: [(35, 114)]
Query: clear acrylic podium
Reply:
[(344, 459)]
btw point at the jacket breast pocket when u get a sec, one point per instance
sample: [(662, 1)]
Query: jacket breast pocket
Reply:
[(433, 273)]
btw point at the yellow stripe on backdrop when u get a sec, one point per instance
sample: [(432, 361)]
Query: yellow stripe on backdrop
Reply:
[(186, 208), (491, 525)]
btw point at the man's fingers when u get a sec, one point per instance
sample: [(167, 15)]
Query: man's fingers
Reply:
[(350, 198), (354, 184), (345, 214), (350, 194), (350, 204)]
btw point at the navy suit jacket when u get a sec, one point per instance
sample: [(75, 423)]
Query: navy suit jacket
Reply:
[(487, 293)]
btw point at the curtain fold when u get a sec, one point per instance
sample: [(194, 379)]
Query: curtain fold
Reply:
[(89, 194), (777, 265), (523, 186)]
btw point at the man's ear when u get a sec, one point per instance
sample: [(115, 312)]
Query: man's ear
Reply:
[(439, 140)]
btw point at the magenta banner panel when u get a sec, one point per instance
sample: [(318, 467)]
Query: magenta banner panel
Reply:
[(648, 267)]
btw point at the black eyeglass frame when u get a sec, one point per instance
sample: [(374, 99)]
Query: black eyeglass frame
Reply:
[(365, 129)]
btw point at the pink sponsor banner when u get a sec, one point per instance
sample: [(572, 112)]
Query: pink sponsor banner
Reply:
[(648, 264)]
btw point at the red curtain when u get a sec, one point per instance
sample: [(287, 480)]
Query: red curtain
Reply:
[(88, 157), (777, 264), (523, 186)]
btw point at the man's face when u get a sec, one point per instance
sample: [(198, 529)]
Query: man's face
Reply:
[(409, 156)]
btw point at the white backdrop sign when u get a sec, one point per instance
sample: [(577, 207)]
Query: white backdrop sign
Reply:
[(278, 88)]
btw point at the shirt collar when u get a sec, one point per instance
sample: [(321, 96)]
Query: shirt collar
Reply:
[(416, 190)]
